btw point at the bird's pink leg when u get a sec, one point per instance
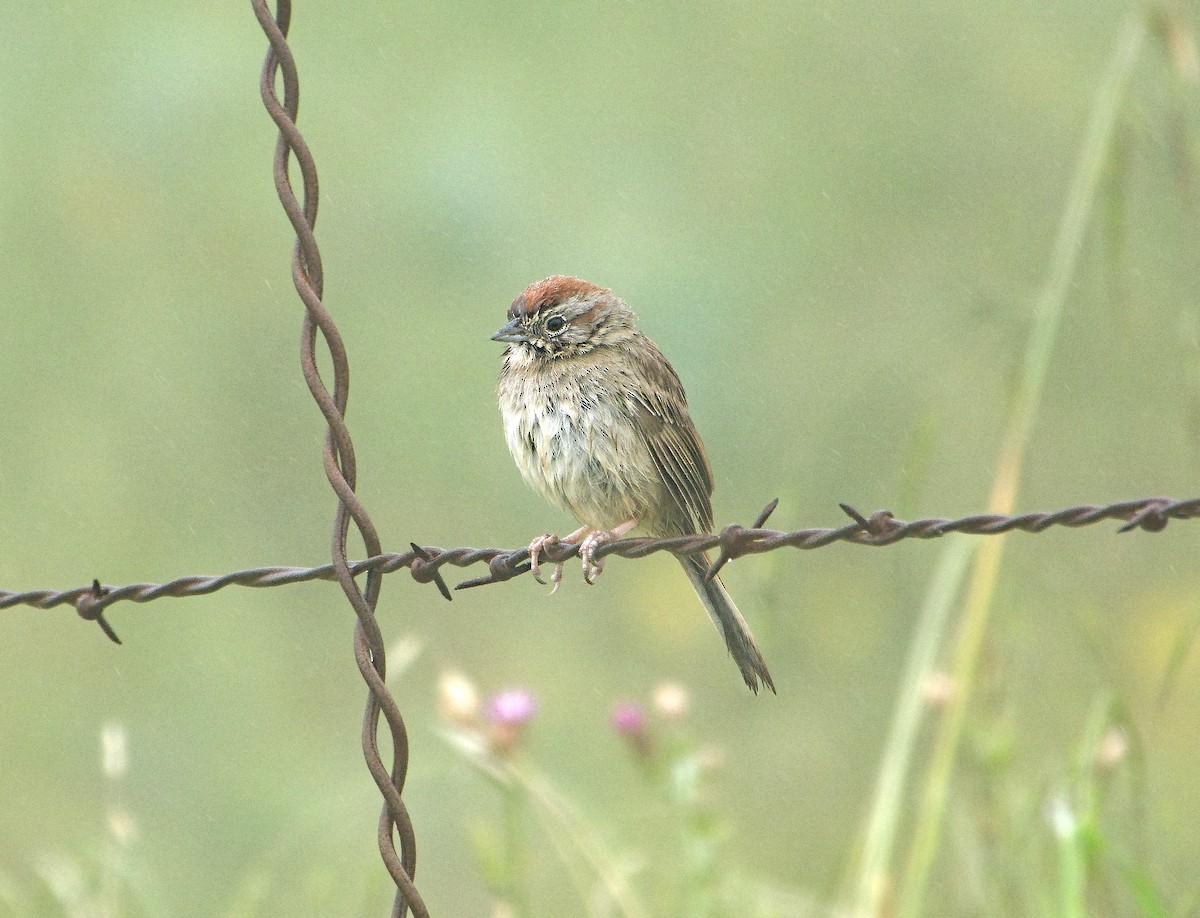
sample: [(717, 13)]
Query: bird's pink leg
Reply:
[(592, 566), (539, 544)]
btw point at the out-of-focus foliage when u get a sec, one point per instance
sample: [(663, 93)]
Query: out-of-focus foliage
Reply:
[(831, 217)]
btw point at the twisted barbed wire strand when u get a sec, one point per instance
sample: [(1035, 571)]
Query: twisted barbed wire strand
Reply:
[(339, 459), (1150, 514)]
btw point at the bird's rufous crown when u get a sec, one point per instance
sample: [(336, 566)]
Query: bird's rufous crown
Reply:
[(549, 292)]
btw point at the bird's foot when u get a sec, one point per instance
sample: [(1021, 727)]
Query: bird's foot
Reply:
[(538, 545), (593, 566)]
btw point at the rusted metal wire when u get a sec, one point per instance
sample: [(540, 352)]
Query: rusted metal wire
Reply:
[(339, 459), (1150, 514)]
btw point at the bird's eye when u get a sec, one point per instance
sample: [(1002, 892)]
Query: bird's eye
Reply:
[(555, 324)]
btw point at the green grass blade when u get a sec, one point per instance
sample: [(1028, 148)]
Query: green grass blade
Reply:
[(879, 841)]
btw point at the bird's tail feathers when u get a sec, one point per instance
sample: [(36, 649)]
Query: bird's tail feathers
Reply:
[(725, 615)]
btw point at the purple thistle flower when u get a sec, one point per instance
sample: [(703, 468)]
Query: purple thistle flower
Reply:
[(512, 708), (509, 711), (628, 718)]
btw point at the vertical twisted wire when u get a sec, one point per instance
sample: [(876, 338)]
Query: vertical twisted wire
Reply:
[(339, 460)]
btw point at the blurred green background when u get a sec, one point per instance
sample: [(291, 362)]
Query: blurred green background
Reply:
[(832, 217)]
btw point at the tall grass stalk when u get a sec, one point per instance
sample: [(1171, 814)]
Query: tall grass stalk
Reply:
[(874, 872), (981, 586), (879, 840), (578, 844)]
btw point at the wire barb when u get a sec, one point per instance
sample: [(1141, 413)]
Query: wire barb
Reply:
[(730, 536), (879, 525), (90, 608), (424, 569), (1152, 517)]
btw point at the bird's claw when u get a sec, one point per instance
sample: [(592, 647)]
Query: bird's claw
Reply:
[(593, 567), (536, 547)]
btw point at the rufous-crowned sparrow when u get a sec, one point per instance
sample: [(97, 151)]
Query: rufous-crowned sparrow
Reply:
[(597, 422)]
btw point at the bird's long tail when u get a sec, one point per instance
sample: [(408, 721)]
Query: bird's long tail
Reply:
[(725, 615)]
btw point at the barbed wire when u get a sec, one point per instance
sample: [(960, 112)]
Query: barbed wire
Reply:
[(424, 562)]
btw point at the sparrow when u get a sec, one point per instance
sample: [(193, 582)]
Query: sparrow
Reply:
[(597, 422)]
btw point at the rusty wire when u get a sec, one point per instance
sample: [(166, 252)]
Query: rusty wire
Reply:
[(1150, 514), (339, 460)]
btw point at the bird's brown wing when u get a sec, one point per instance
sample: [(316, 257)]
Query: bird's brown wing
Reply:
[(662, 418)]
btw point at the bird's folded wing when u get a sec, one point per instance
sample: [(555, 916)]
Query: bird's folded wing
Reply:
[(676, 449)]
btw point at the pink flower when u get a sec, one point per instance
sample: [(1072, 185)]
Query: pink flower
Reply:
[(509, 711), (628, 718), (512, 707)]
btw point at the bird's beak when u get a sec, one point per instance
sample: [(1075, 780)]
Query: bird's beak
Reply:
[(511, 333)]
